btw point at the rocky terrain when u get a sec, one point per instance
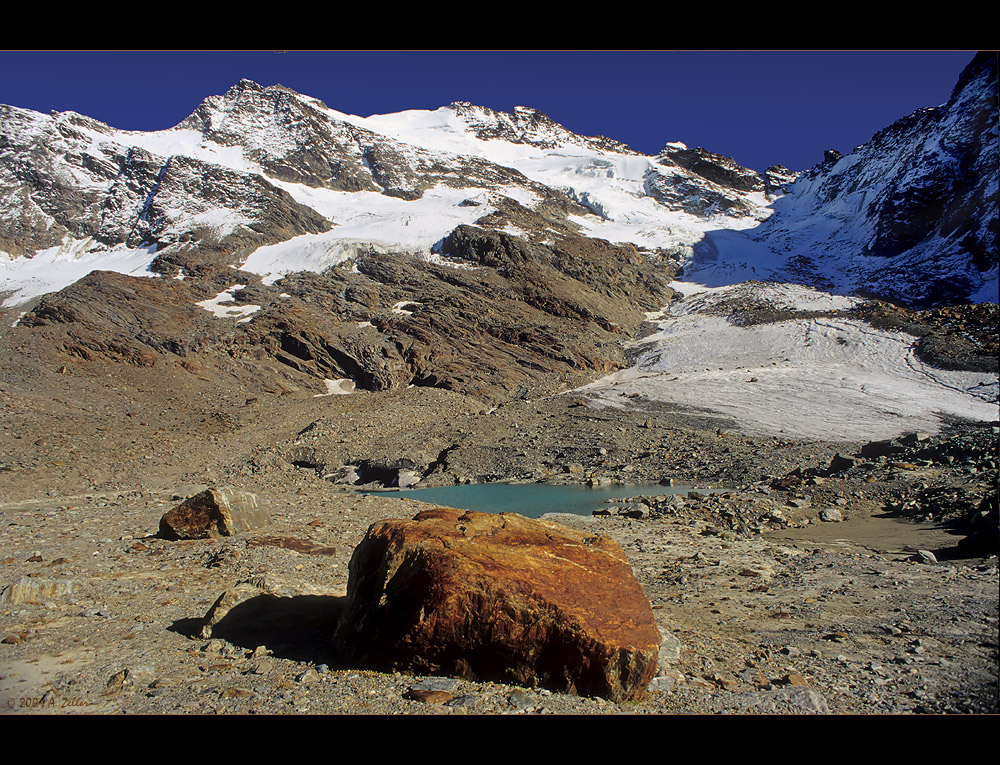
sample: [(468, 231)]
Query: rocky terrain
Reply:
[(301, 305), (849, 619), (798, 588)]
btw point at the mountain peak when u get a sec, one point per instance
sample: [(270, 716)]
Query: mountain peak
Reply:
[(982, 67), (529, 126), (247, 98), (244, 85), (920, 187)]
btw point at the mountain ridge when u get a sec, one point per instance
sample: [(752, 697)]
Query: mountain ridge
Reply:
[(294, 139), (575, 236)]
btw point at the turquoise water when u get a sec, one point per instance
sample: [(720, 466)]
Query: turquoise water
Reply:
[(529, 499)]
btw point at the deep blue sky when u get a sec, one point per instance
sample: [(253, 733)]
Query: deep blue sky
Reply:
[(761, 108)]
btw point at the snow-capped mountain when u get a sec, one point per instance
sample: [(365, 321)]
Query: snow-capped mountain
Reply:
[(258, 166), (912, 214), (275, 182), (270, 245)]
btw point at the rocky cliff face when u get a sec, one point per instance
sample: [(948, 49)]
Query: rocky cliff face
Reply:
[(704, 184), (944, 183)]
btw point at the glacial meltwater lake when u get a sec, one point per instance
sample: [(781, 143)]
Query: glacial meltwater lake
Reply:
[(531, 499)]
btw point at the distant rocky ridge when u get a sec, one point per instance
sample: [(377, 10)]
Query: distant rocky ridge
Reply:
[(529, 126), (61, 180), (293, 138)]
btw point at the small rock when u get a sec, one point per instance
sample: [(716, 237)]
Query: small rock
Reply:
[(831, 515), (213, 513), (117, 681), (670, 648), (407, 478), (235, 693), (788, 700), (635, 510), (840, 463), (32, 590), (309, 676), (428, 696), (262, 667), (662, 684), (794, 678), (724, 681), (143, 675), (463, 702), (436, 684), (521, 700)]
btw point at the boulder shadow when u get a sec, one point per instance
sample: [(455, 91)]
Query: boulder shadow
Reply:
[(299, 628)]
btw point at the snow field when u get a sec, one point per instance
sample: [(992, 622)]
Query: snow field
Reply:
[(56, 267), (817, 379), (338, 387)]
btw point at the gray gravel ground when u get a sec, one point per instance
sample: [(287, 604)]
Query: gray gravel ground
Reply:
[(840, 618)]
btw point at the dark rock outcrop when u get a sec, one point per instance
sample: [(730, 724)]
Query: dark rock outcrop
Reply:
[(778, 178), (122, 318), (701, 183), (528, 126), (724, 171)]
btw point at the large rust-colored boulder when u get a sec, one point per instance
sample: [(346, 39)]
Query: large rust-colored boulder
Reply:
[(213, 513), (499, 597)]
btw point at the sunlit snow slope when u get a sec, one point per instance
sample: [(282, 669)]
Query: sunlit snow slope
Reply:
[(823, 378)]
